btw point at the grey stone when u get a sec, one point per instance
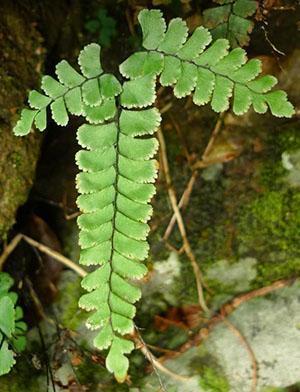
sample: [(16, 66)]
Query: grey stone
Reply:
[(271, 326)]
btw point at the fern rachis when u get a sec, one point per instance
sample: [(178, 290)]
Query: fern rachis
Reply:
[(116, 162)]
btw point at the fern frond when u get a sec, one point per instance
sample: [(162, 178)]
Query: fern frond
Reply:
[(231, 20), (208, 70), (73, 92), (116, 184), (117, 169)]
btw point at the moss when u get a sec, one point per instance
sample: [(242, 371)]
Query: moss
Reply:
[(21, 48), (265, 217), (272, 172), (23, 377), (269, 223), (212, 381), (67, 302), (237, 215)]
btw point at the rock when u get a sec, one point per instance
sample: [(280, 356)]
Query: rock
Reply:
[(271, 327), (163, 280), (291, 162)]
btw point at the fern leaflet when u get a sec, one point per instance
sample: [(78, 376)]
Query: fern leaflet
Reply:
[(231, 20), (210, 72), (72, 93), (12, 327)]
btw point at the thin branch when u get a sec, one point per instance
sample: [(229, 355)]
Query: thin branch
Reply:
[(56, 255), (173, 200), (204, 162), (155, 362), (270, 42), (42, 248), (182, 203), (225, 311), (249, 350), (9, 249), (198, 165)]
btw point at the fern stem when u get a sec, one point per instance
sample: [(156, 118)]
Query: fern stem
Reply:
[(117, 121)]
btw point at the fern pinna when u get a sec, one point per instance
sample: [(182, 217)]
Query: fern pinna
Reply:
[(116, 163), (231, 20)]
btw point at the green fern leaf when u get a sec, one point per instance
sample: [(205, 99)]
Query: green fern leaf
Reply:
[(6, 283), (37, 100), (109, 86), (7, 360), (116, 360), (152, 36), (230, 20), (213, 72), (7, 316), (116, 186), (73, 92), (67, 75), (24, 125), (73, 100), (117, 169), (195, 44), (175, 37), (12, 328), (40, 120), (59, 111), (100, 113), (91, 92), (52, 87), (142, 64), (89, 61), (138, 92)]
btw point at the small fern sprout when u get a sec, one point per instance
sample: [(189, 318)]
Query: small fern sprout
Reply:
[(117, 165)]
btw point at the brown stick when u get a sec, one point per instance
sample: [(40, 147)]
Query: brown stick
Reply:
[(203, 161), (154, 361), (249, 350), (9, 249), (173, 200), (198, 165), (225, 311), (42, 248), (182, 203)]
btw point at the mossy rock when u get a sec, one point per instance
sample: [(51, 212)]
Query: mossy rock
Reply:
[(246, 208), (21, 48)]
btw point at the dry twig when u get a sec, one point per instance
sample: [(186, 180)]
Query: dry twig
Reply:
[(42, 248), (225, 311), (248, 348), (182, 203), (173, 200), (198, 165), (155, 362), (204, 161)]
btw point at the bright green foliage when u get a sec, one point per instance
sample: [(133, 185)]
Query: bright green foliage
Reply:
[(116, 186), (211, 72), (73, 92), (12, 328), (117, 169), (231, 20)]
